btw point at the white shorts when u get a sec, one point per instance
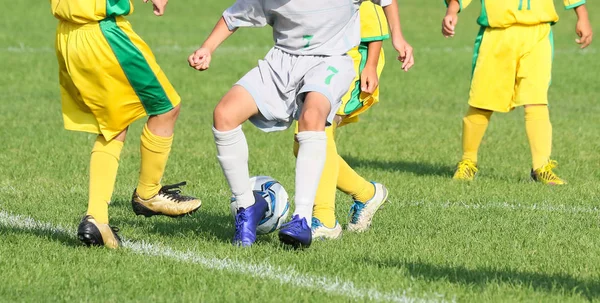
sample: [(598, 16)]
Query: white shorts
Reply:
[(280, 82)]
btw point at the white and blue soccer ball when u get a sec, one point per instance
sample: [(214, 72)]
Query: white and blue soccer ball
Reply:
[(277, 199)]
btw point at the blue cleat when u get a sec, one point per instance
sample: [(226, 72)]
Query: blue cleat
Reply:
[(247, 220), (296, 233)]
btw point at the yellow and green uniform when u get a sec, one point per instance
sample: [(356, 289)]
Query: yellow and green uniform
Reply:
[(108, 75), (512, 59), (373, 27)]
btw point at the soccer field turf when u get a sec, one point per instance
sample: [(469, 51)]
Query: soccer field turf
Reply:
[(501, 238)]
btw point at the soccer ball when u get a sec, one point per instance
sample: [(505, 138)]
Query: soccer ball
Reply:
[(277, 199)]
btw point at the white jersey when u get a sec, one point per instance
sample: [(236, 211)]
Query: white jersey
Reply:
[(303, 27)]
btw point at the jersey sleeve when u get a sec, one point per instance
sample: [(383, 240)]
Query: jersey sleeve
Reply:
[(245, 13), (569, 4), (461, 3), (373, 23), (382, 3)]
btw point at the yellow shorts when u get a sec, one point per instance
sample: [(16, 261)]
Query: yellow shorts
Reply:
[(354, 101), (108, 77), (512, 67)]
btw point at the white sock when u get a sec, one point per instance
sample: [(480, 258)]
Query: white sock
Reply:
[(309, 166), (232, 152)]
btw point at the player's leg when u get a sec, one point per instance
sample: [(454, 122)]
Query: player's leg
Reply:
[(104, 164), (237, 106), (539, 133), (78, 116), (137, 87), (324, 225), (492, 90), (475, 123), (150, 197), (312, 153), (534, 76)]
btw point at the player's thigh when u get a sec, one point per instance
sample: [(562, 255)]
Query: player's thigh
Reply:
[(324, 86), (494, 68), (235, 108), (535, 71)]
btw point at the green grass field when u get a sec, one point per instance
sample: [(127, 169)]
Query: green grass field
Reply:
[(499, 239)]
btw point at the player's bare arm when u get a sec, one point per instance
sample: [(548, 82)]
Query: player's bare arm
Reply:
[(159, 6), (200, 59), (405, 51), (583, 27), (368, 78), (451, 19)]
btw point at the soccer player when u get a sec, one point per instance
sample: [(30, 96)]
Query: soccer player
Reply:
[(369, 61), (512, 65), (108, 79), (303, 77)]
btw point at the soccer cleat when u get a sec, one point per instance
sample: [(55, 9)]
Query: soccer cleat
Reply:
[(92, 233), (322, 232), (296, 233), (361, 214), (465, 170), (247, 220), (168, 202), (545, 175)]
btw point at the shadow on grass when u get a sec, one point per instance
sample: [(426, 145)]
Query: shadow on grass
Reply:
[(481, 277), (205, 224), (46, 234), (421, 169)]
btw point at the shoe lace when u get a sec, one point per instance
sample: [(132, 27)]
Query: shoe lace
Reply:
[(547, 173), (173, 192), (316, 223), (296, 225), (355, 211), (467, 168), (240, 219)]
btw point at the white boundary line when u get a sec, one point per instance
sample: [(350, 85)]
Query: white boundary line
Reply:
[(24, 49), (334, 286), (537, 207)]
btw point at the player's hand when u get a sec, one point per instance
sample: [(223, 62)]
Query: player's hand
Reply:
[(159, 6), (369, 80), (584, 31), (449, 24), (200, 59), (405, 53)]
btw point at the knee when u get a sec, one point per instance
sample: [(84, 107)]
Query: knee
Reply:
[(222, 118), (173, 114), (312, 119)]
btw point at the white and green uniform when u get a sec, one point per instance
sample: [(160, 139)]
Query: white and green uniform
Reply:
[(311, 41)]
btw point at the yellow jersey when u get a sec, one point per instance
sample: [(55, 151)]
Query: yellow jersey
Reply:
[(504, 13), (82, 12)]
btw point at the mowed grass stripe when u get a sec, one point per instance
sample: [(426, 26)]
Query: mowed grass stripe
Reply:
[(289, 276)]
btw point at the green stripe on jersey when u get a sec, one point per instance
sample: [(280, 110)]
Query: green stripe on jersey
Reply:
[(136, 69), (483, 17), (117, 8), (354, 103)]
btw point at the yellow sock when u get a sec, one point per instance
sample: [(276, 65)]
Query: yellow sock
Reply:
[(104, 163), (324, 208), (539, 132), (155, 153), (350, 182), (475, 123)]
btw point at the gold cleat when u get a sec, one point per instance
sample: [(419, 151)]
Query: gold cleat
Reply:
[(546, 176), (168, 202), (92, 233), (465, 170)]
